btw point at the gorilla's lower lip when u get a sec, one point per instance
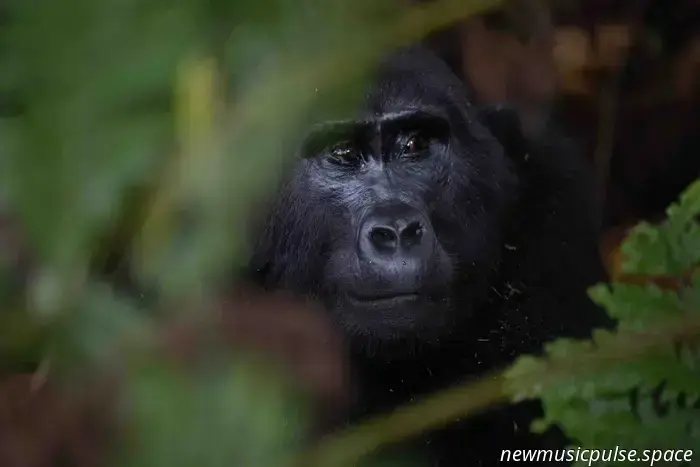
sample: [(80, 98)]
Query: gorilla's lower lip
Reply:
[(383, 298)]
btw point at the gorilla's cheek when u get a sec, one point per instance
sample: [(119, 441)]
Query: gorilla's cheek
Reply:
[(342, 271)]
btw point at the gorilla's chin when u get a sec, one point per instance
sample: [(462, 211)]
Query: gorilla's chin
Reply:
[(412, 316)]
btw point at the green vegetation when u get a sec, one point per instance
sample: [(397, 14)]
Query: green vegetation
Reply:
[(200, 101)]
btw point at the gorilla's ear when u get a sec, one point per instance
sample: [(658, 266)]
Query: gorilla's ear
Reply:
[(503, 121)]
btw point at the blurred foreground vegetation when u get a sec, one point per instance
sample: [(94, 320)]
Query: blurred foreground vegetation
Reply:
[(163, 123)]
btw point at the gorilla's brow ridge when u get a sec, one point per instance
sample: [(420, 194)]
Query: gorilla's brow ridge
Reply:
[(406, 114), (422, 117)]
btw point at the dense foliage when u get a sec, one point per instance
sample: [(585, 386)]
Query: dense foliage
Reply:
[(198, 102)]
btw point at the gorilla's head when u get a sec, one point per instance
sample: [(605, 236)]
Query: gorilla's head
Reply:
[(393, 216)]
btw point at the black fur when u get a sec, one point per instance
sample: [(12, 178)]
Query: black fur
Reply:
[(516, 249)]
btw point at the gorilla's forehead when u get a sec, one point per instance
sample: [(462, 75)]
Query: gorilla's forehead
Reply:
[(397, 97)]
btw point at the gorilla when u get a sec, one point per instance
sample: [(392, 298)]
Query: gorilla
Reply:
[(442, 241)]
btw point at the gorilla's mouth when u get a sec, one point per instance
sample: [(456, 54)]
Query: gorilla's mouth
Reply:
[(383, 298)]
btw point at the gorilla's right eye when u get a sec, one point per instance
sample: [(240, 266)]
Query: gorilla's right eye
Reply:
[(344, 154)]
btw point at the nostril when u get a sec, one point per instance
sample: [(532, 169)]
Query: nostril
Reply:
[(383, 238), (412, 234)]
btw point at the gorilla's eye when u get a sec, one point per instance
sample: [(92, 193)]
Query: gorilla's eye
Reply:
[(345, 154), (415, 145)]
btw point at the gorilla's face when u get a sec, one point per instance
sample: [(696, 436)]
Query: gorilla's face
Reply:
[(392, 215), (386, 266)]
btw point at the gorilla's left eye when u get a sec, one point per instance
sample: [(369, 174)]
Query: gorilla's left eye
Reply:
[(415, 145)]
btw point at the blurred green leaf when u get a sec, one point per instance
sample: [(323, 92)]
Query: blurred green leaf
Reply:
[(97, 331), (230, 415)]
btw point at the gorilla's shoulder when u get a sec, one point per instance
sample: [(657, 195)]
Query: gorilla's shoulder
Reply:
[(550, 166)]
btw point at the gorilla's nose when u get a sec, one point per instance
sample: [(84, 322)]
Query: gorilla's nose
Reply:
[(396, 235)]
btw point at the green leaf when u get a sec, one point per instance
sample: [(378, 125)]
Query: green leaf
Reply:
[(231, 414)]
